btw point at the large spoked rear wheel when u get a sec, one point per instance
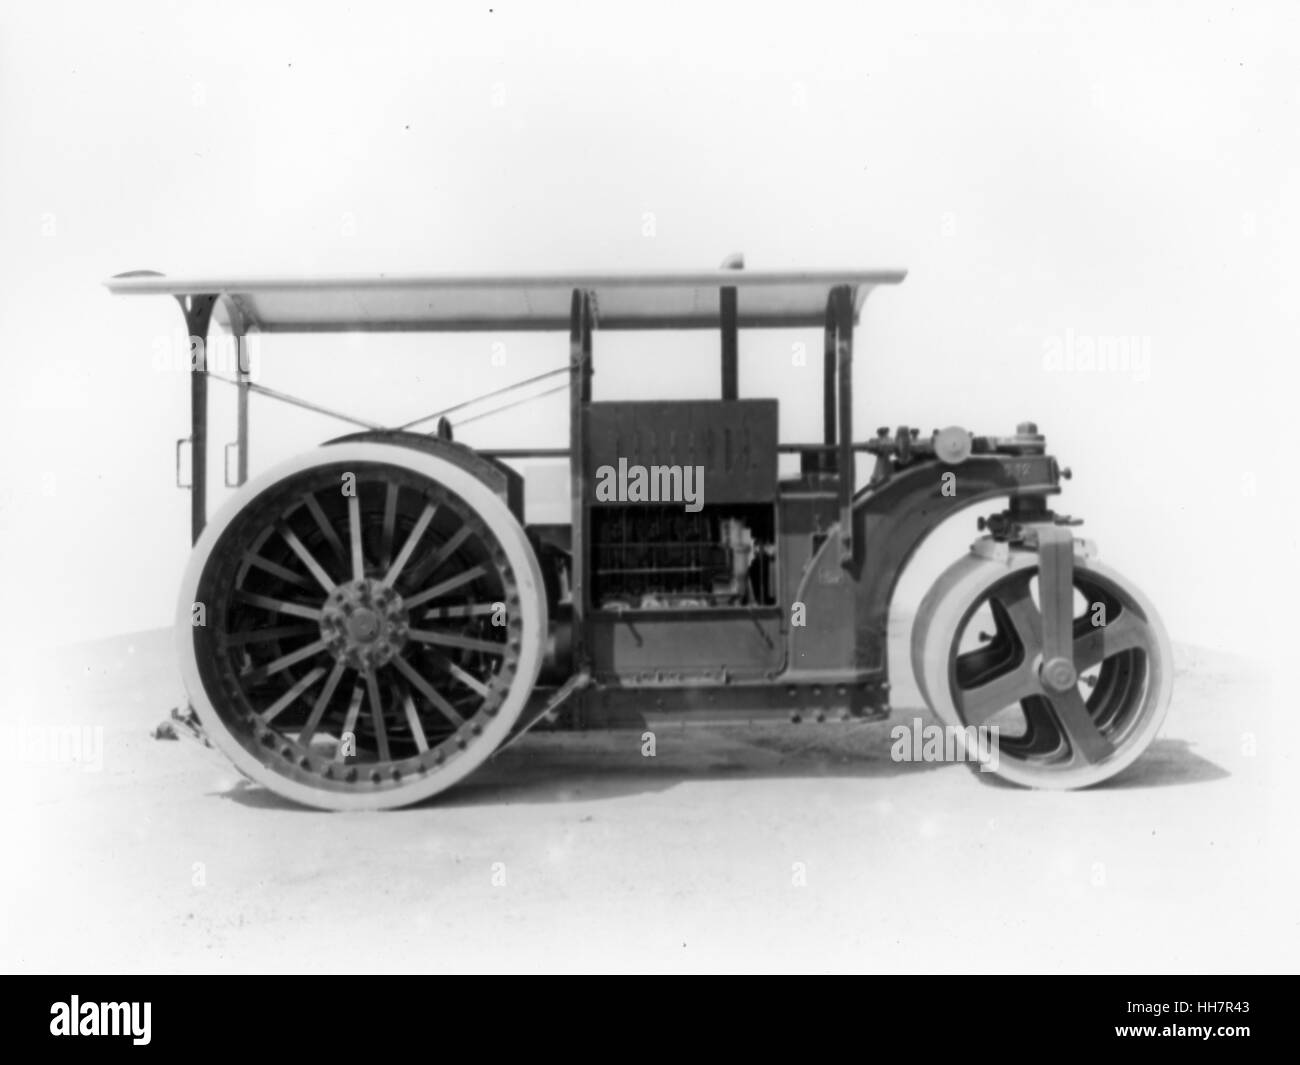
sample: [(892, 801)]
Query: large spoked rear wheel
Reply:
[(373, 621), (977, 653)]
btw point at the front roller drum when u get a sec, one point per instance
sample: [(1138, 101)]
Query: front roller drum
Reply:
[(360, 627), (977, 650)]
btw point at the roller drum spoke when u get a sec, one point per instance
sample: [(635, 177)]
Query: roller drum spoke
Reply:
[(1086, 740), (982, 702), (1100, 642)]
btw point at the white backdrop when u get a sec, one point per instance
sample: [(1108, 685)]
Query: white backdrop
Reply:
[(1052, 175)]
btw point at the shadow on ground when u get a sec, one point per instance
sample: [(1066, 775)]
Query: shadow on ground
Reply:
[(573, 767), (126, 678)]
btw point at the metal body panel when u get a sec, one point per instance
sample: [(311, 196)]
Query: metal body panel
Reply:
[(733, 441), (806, 516), (847, 610), (670, 647)]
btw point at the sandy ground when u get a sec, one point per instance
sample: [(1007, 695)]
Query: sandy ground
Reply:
[(775, 848)]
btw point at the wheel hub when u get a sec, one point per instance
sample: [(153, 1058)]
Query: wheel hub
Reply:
[(1058, 674), (364, 623)]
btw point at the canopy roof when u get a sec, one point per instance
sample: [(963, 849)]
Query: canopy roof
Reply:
[(508, 302)]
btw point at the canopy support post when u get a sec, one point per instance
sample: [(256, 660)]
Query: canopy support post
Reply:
[(727, 316), (198, 316), (839, 341), (580, 371), (828, 387), (238, 323)]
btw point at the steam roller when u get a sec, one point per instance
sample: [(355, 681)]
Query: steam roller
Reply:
[(362, 626)]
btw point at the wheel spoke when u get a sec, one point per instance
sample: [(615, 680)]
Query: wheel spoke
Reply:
[(350, 722), (274, 710), (426, 689), (448, 639), (318, 711), (354, 535), (390, 523), (413, 720), (981, 702), (308, 559), (282, 632), (1099, 642), (449, 585), (1024, 617), (326, 529), (276, 570), (308, 660), (284, 662), (1071, 713), (412, 541), (470, 610), (377, 716), (279, 606), (466, 678), (430, 566)]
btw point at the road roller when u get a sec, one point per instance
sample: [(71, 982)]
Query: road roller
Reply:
[(362, 626)]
